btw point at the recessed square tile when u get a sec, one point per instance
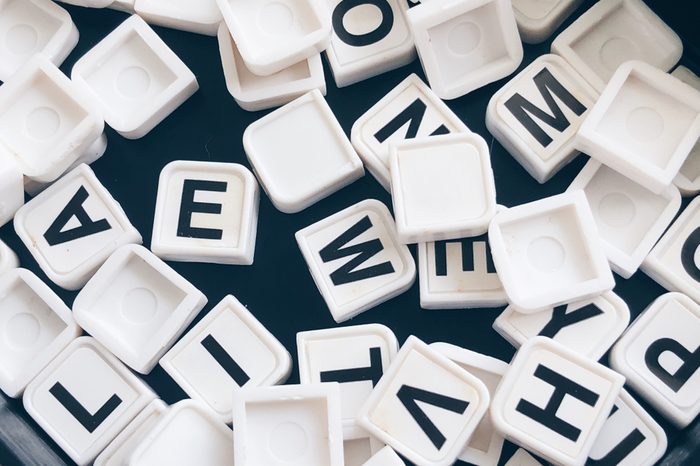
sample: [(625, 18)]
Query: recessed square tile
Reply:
[(201, 17), (375, 268), (658, 355), (630, 218), (137, 80), (206, 212), (294, 172), (228, 349), (547, 253), (137, 306), (36, 325)]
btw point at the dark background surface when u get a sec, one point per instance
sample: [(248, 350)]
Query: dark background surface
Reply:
[(278, 288)]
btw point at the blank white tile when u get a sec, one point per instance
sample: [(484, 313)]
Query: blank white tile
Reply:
[(548, 253), (122, 447), (84, 398), (189, 433), (206, 212), (630, 436), (410, 110), (35, 326), (554, 401), (253, 92), (385, 457), (46, 120), (630, 218), (442, 188), (688, 178), (30, 27), (275, 34), (228, 349), (538, 20), (465, 45), (8, 258), (201, 16), (137, 306), (612, 32), (588, 327), (291, 425), (351, 283), (672, 263), (368, 39), (536, 115), (11, 188), (355, 357), (485, 445), (72, 227), (644, 125), (426, 407), (135, 78), (301, 154), (658, 355)]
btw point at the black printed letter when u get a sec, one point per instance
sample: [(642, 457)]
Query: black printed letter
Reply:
[(620, 451), (55, 234), (373, 372), (561, 319), (413, 115), (225, 360), (368, 38), (691, 362), (188, 206), (688, 254), (467, 256), (87, 420)]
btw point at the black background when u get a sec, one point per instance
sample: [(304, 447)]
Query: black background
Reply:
[(278, 288)]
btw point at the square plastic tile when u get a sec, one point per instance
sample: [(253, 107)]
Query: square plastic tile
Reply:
[(612, 32), (137, 80), (84, 398), (122, 447), (688, 178), (485, 445), (30, 27), (465, 45), (301, 154), (658, 355), (275, 34), (538, 20), (46, 121), (421, 378), (459, 274), (253, 92), (548, 253), (630, 436), (8, 258), (201, 17), (672, 261), (370, 43), (588, 327), (644, 125), (228, 349), (137, 306), (189, 433), (355, 357), (291, 425), (206, 212), (630, 218), (356, 260), (11, 188), (411, 110), (442, 188), (73, 227), (36, 325), (554, 401), (537, 114)]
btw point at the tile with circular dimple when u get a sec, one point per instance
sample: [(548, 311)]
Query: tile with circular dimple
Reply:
[(72, 227), (35, 326), (612, 32), (135, 78), (29, 27), (46, 120), (202, 17), (630, 218), (8, 258), (137, 306), (688, 178), (465, 45), (644, 125), (548, 253), (537, 19)]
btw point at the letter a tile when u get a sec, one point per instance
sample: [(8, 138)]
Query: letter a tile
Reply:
[(356, 259)]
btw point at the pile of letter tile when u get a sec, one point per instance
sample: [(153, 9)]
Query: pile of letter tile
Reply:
[(605, 90)]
